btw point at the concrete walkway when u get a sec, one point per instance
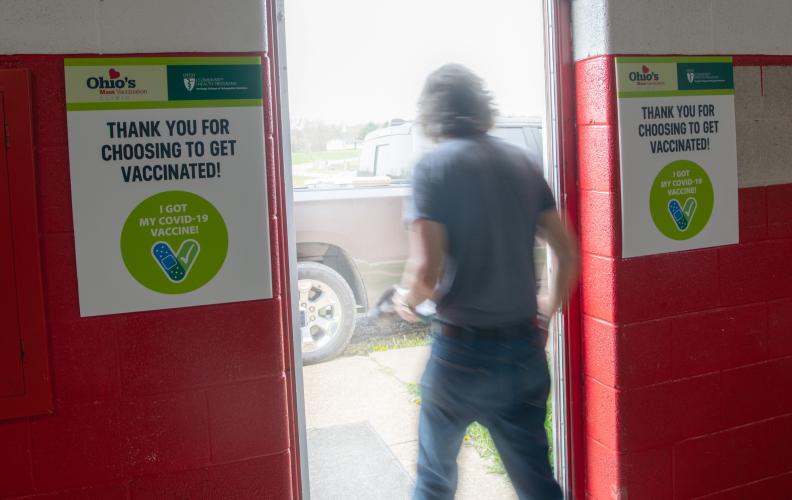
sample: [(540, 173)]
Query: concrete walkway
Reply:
[(373, 389)]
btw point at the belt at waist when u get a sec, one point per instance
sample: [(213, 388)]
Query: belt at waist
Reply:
[(521, 329)]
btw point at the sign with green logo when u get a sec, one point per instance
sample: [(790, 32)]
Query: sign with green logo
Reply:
[(169, 188), (214, 82), (678, 153), (681, 200), (174, 242)]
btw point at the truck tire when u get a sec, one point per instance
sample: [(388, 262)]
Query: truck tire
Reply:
[(327, 312)]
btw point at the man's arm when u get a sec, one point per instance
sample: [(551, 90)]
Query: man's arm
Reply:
[(427, 246), (551, 229)]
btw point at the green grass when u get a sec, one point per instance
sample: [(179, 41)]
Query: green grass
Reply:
[(479, 437), (548, 424), (396, 342), (415, 392), (316, 167), (299, 180), (402, 342), (299, 157)]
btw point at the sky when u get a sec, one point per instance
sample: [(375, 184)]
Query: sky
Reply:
[(354, 61)]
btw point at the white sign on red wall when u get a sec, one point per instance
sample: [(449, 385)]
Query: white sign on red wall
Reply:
[(678, 153), (169, 190)]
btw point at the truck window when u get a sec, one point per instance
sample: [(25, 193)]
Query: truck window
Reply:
[(366, 165), (536, 133), (512, 135), (383, 159), (388, 161)]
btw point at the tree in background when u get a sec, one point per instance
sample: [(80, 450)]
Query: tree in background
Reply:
[(365, 129)]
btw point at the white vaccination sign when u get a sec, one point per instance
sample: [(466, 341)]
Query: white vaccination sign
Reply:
[(169, 190), (677, 153)]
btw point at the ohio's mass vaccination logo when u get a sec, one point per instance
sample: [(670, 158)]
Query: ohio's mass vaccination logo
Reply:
[(645, 75), (115, 83), (113, 80)]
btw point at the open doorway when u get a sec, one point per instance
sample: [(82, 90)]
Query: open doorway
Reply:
[(355, 70)]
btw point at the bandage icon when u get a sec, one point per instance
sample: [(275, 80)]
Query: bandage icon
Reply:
[(176, 266), (690, 209), (682, 216)]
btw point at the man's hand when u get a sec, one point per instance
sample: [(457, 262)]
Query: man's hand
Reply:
[(543, 307), (403, 309), (551, 229), (544, 311), (427, 242)]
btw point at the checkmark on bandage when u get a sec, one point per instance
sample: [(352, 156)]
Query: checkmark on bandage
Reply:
[(682, 216), (188, 251), (176, 266)]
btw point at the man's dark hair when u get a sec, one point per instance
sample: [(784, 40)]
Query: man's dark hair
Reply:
[(454, 103)]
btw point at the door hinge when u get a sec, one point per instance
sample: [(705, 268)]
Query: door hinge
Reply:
[(22, 350)]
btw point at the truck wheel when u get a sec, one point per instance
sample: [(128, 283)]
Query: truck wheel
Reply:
[(327, 312)]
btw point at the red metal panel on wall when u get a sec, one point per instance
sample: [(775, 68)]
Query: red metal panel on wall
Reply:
[(19, 212), (12, 380)]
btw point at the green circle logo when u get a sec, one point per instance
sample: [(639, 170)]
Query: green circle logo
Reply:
[(174, 242), (681, 200)]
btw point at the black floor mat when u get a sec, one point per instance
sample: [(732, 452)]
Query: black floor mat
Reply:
[(351, 462)]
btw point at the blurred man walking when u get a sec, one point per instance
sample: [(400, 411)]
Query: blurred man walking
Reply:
[(478, 204)]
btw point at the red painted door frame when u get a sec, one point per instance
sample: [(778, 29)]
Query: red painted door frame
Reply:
[(274, 9)]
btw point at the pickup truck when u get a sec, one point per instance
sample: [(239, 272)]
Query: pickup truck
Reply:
[(351, 239)]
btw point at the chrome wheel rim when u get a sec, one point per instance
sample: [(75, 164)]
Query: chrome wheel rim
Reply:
[(321, 309)]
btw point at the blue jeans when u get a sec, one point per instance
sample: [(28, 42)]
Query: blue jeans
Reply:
[(501, 381)]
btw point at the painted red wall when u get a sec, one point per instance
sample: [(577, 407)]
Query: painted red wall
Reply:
[(687, 356), (184, 403)]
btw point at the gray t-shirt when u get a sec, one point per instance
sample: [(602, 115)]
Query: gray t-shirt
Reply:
[(488, 194)]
